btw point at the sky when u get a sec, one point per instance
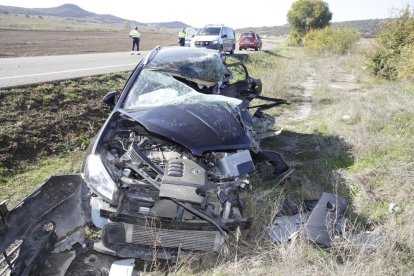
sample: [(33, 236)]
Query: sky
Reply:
[(236, 14)]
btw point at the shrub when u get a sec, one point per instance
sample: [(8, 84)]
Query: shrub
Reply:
[(295, 38), (330, 40), (392, 49), (405, 66), (306, 15)]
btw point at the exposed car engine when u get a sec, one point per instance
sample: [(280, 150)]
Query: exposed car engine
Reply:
[(162, 183)]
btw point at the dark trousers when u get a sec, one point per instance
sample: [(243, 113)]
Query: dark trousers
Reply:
[(135, 41), (181, 41)]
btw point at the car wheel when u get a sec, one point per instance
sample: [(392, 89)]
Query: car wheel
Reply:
[(240, 48), (256, 48), (232, 49)]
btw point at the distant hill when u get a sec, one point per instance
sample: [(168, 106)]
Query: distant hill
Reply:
[(367, 28), (269, 31), (74, 12)]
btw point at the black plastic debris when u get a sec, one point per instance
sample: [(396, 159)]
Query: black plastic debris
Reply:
[(320, 225), (286, 228)]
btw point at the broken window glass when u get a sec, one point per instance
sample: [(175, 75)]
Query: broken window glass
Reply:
[(198, 65), (154, 88)]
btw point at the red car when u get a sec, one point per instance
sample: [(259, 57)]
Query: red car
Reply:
[(250, 40)]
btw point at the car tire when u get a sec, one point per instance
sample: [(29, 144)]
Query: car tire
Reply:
[(232, 49), (240, 48), (256, 48)]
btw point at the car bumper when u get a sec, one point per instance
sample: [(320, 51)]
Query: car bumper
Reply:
[(209, 46), (248, 45)]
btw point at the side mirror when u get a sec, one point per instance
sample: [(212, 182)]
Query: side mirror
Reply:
[(224, 36), (110, 98)]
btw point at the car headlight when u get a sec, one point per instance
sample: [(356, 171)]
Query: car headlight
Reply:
[(214, 42), (98, 179)]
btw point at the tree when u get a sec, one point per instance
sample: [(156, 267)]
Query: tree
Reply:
[(306, 15)]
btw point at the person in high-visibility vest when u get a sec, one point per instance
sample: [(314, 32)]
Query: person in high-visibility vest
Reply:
[(181, 37), (136, 36)]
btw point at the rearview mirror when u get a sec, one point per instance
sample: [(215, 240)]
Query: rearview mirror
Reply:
[(110, 98)]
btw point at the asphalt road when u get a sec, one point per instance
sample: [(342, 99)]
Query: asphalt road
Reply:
[(31, 70)]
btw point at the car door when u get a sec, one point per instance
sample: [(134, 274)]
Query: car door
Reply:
[(190, 33), (223, 35), (229, 39)]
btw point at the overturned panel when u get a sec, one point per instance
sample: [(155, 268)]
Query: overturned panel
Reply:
[(322, 222), (286, 228), (325, 220), (50, 219), (59, 201)]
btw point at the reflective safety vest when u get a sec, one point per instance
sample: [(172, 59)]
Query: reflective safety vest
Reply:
[(181, 34), (134, 33)]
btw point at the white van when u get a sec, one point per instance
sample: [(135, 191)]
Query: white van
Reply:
[(216, 37)]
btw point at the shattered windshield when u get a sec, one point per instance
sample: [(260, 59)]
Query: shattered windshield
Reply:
[(155, 88), (199, 65)]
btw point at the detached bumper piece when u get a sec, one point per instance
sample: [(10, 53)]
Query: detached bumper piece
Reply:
[(318, 226), (324, 221), (145, 242), (51, 219)]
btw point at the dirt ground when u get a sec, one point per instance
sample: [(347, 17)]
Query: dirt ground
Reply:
[(40, 43)]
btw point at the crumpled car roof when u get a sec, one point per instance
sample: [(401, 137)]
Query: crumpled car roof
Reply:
[(190, 63)]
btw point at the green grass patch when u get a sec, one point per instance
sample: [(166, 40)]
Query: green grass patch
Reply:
[(21, 184)]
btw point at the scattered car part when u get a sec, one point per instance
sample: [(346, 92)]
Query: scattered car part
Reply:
[(52, 219), (319, 223), (122, 268), (325, 219)]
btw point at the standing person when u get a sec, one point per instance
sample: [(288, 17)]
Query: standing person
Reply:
[(135, 35), (181, 37)]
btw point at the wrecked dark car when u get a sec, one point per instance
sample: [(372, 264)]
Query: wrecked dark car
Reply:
[(163, 175)]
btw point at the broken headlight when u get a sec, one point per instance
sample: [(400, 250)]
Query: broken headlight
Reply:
[(98, 179)]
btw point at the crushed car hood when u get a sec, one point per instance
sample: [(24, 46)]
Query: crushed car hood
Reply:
[(198, 127)]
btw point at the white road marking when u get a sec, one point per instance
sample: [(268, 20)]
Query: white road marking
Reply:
[(67, 71)]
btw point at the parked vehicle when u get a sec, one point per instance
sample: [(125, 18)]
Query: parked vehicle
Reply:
[(216, 37), (250, 40), (161, 178)]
